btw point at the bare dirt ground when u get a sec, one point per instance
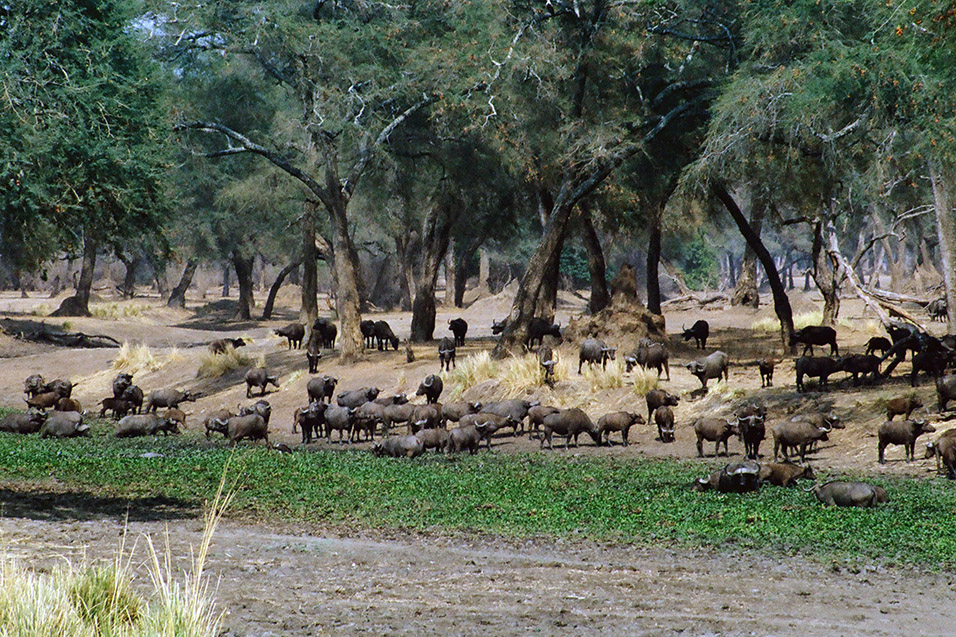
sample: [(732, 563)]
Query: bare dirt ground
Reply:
[(295, 581)]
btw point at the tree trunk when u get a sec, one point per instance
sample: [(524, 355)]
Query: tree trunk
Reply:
[(243, 266), (177, 298), (435, 233), (225, 279), (526, 299), (484, 272), (404, 250), (946, 234), (128, 288), (654, 260), (896, 262), (824, 275), (746, 291), (781, 303), (548, 293), (79, 303), (309, 308), (596, 266), (451, 273), (348, 301), (274, 289)]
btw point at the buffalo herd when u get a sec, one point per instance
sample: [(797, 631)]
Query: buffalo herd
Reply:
[(360, 413)]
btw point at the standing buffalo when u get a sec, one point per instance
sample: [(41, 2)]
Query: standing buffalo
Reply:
[(321, 389), (222, 345), (121, 383), (937, 310), (327, 332), (294, 332), (752, 428), (368, 333), (798, 435), (570, 423), (664, 417), (945, 391), (547, 362), (259, 377), (618, 421), (356, 397), (815, 367), (595, 351), (537, 330), (446, 354), (458, 327), (815, 335), (901, 432), (766, 365), (515, 409), (430, 388), (658, 398), (712, 366), (384, 335), (313, 351), (716, 430), (168, 398), (699, 331), (878, 344), (650, 354), (310, 419)]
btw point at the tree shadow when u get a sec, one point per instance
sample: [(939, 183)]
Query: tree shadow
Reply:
[(52, 506)]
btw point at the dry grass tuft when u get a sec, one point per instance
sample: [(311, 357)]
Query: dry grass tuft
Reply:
[(470, 371), (113, 311), (137, 358), (644, 380), (216, 365), (610, 378)]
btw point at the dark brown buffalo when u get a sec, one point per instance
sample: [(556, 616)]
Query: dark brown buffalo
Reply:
[(259, 377), (716, 430), (570, 423), (659, 398), (664, 417), (699, 331), (901, 432), (294, 332), (766, 366), (815, 335), (902, 406), (618, 421)]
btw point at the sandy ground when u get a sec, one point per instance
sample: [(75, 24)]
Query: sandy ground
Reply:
[(293, 581)]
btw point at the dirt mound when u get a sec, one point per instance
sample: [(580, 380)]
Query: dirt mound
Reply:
[(621, 324), (497, 305)]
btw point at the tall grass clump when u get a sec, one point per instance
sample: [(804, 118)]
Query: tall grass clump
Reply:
[(470, 371), (136, 358), (610, 377), (800, 321), (215, 365), (644, 380), (113, 311)]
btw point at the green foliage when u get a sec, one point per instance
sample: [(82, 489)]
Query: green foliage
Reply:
[(701, 268), (82, 149), (574, 265), (548, 493)]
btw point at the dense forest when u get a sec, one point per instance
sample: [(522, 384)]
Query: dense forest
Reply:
[(378, 150)]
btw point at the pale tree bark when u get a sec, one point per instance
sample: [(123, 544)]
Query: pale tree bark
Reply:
[(405, 244), (177, 298), (781, 302), (746, 290), (548, 293), (825, 276), (654, 260), (309, 288), (79, 303), (451, 274), (897, 260), (946, 233), (435, 236), (128, 288), (243, 267)]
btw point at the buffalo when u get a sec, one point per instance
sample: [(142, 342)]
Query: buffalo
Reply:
[(659, 398), (850, 494), (259, 377), (294, 332), (321, 389), (458, 327), (766, 365), (570, 423), (815, 367), (650, 354), (538, 328), (737, 477), (617, 421), (664, 417), (713, 366), (815, 335), (901, 432), (446, 354), (716, 430), (595, 351), (384, 335), (699, 331), (327, 332), (430, 388)]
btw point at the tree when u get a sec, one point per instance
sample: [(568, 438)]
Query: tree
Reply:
[(82, 151), (378, 66), (582, 89)]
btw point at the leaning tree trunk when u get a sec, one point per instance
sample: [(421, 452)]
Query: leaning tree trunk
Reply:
[(435, 234), (226, 273), (177, 298), (243, 266), (309, 308), (79, 303), (781, 303), (654, 261), (825, 276), (946, 234), (274, 289), (526, 299), (596, 266), (451, 274), (746, 291)]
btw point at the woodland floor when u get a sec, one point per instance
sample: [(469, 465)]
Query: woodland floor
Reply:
[(288, 580)]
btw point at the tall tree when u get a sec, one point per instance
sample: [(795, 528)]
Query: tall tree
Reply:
[(82, 151)]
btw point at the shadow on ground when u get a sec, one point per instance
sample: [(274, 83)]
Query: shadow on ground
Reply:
[(53, 506)]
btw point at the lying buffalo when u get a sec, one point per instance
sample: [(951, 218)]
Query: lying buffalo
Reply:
[(850, 494), (785, 474), (28, 423), (737, 477), (399, 447), (64, 424)]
